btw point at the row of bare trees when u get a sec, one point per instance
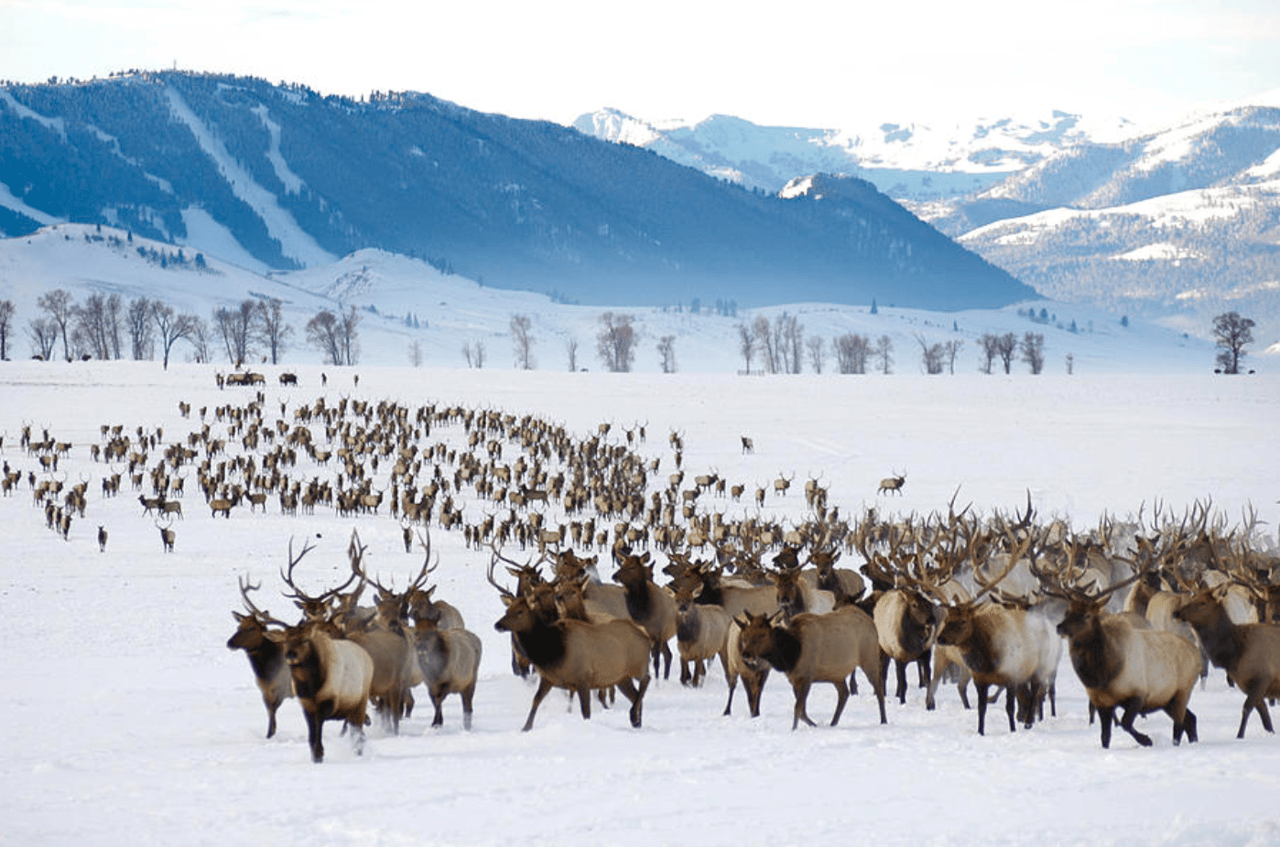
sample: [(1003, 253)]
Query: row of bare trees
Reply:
[(105, 326)]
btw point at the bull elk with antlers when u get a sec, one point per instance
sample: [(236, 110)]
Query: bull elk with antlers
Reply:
[(265, 649)]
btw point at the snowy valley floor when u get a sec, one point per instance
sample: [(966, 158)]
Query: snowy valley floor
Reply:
[(130, 722)]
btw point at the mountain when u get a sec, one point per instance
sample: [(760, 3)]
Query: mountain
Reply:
[(909, 161), (279, 177), (1178, 223)]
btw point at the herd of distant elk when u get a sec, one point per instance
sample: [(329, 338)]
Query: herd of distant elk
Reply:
[(1144, 606)]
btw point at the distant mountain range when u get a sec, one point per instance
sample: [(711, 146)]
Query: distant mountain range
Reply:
[(908, 161), (1178, 223), (279, 177)]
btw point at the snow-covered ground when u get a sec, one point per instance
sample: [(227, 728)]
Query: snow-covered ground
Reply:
[(129, 720)]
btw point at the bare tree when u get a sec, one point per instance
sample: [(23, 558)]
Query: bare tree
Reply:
[(272, 329), (1032, 351), (990, 345), (932, 355), (571, 347), (415, 353), (60, 309), (238, 330), (7, 311), (950, 350), (788, 342), (172, 326), (324, 333), (1231, 333), (350, 335), (44, 335), (473, 352), (746, 344), (142, 333), (97, 326), (114, 319), (1006, 346), (522, 341), (852, 352), (667, 353), (817, 348), (884, 354), (764, 340), (200, 337), (616, 341)]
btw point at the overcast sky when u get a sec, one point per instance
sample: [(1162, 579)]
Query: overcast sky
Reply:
[(798, 62)]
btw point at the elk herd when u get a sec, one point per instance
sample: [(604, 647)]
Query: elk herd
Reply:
[(600, 561)]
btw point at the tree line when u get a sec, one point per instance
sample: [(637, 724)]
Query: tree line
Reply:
[(106, 326)]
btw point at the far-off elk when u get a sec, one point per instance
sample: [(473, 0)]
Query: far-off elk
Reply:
[(892, 484)]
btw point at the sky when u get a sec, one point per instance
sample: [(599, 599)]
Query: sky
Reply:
[(803, 63)]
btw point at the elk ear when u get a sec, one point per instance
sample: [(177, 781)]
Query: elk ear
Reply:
[(239, 617), (742, 621)]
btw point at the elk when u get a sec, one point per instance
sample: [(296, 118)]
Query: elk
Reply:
[(388, 648), (167, 536), (264, 648), (752, 672), (1123, 664), (892, 484), (781, 484), (450, 661), (102, 539), (331, 679), (816, 648), (748, 445), (650, 606), (224, 505), (1249, 653), (702, 633), (580, 656), (1005, 647)]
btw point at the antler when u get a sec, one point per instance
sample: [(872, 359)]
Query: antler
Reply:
[(313, 607), (259, 614)]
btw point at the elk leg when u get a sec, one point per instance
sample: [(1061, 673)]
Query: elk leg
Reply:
[(801, 713), (543, 687), (902, 681), (584, 698), (842, 697), (982, 708), (755, 687), (733, 686), (1255, 700), (1011, 707), (1131, 708), (357, 739), (437, 700), (468, 694), (1105, 715), (271, 716)]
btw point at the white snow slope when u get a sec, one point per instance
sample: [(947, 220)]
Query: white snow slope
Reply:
[(403, 302), (130, 722)]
